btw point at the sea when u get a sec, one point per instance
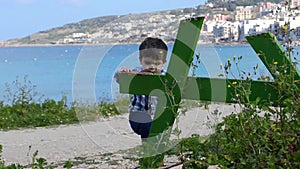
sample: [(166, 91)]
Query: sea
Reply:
[(86, 73)]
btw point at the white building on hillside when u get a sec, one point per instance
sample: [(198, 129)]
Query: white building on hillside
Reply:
[(243, 13), (227, 31), (266, 9), (295, 25), (208, 26), (252, 27), (295, 3)]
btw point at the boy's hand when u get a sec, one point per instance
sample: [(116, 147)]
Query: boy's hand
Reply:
[(125, 69), (144, 73), (129, 70)]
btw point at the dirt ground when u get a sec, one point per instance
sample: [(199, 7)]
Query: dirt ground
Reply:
[(96, 144)]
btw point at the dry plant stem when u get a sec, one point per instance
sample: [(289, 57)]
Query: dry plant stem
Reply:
[(174, 165)]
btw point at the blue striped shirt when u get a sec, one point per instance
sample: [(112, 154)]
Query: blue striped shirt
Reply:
[(142, 108)]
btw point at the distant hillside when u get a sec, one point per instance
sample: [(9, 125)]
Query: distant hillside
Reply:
[(52, 35), (109, 29), (129, 28), (230, 5)]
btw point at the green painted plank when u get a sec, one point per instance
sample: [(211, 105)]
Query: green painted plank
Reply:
[(272, 53), (177, 72), (174, 80), (200, 88), (184, 49), (224, 90)]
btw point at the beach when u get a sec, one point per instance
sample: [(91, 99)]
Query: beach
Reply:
[(98, 144)]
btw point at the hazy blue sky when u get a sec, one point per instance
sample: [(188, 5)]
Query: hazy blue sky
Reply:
[(20, 18)]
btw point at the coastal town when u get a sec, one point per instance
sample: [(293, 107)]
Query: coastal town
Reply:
[(220, 25)]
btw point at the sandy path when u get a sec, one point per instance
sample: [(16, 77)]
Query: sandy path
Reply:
[(109, 135)]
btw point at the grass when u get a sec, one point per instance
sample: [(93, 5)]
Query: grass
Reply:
[(51, 113), (24, 107)]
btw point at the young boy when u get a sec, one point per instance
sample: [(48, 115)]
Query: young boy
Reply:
[(152, 57)]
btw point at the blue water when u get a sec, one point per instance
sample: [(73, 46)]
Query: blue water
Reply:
[(60, 70)]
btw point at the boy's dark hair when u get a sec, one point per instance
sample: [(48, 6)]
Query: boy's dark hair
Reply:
[(153, 47)]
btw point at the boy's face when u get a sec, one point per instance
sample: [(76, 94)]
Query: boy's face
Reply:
[(152, 65)]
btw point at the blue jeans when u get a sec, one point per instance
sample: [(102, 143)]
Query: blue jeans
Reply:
[(141, 129)]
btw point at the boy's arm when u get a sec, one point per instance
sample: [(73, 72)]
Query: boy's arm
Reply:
[(131, 71), (122, 69)]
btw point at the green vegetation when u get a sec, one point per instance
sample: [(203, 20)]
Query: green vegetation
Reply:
[(260, 136), (25, 108)]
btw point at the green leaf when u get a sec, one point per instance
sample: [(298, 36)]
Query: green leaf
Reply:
[(296, 156)]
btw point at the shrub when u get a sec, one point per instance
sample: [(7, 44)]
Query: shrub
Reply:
[(24, 107), (262, 135)]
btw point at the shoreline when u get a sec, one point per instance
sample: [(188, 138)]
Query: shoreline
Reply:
[(112, 44)]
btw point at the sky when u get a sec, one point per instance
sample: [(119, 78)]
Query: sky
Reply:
[(20, 18)]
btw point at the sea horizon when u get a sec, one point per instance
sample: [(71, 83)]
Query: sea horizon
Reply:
[(51, 68)]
